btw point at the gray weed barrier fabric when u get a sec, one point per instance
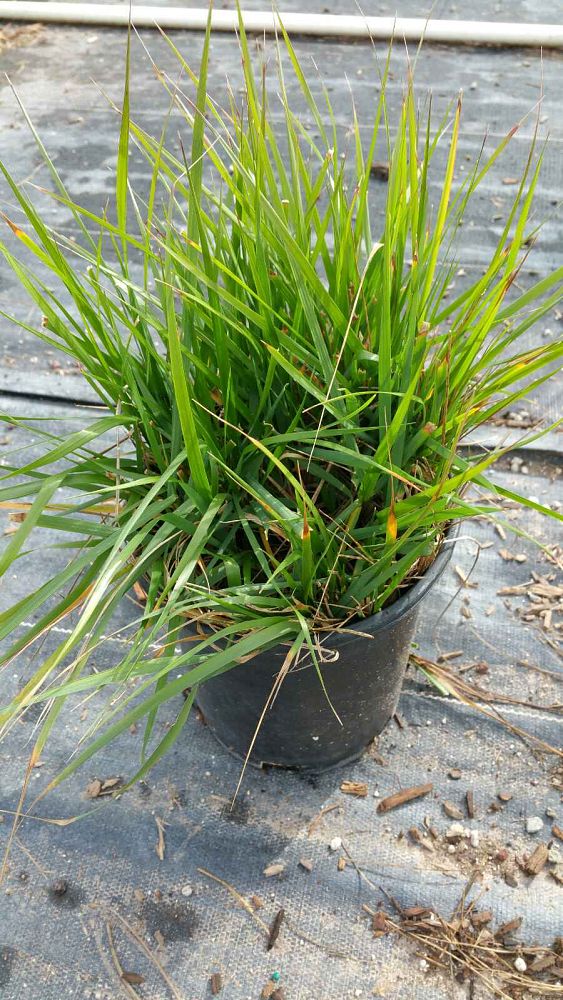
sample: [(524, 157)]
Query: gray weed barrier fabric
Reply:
[(150, 895)]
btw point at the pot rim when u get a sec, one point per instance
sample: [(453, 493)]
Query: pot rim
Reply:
[(392, 615)]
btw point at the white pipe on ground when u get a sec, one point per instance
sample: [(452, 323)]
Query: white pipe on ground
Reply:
[(412, 29)]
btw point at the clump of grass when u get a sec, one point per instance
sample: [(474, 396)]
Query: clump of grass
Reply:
[(289, 389)]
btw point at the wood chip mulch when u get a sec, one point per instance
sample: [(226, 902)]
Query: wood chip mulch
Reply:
[(545, 601)]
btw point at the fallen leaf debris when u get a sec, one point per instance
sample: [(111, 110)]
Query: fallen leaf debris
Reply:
[(103, 786), (468, 946)]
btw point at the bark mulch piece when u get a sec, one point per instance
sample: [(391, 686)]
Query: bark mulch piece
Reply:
[(425, 843), (216, 983), (537, 860), (406, 795), (99, 787), (275, 929), (133, 978), (274, 869), (357, 788)]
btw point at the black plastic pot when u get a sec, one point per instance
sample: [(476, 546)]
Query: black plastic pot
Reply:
[(363, 680)]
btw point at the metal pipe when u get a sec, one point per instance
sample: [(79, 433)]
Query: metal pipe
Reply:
[(412, 29)]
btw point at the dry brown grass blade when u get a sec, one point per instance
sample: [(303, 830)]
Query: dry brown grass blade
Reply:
[(284, 669), (160, 846), (77, 603), (458, 947), (448, 677), (328, 949), (113, 916), (240, 899), (25, 850), (466, 947), (125, 986), (317, 819), (18, 815), (47, 819), (473, 696)]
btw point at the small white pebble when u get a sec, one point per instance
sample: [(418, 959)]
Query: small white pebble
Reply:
[(335, 844), (554, 855), (429, 722), (473, 85), (377, 795), (474, 838), (456, 830), (451, 848), (519, 964), (186, 890), (444, 720), (423, 965), (534, 824)]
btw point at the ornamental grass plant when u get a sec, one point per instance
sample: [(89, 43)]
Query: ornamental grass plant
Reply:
[(286, 388)]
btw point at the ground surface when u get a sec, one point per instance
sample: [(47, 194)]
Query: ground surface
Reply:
[(55, 944)]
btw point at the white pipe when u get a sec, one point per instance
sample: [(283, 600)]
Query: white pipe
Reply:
[(412, 29)]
